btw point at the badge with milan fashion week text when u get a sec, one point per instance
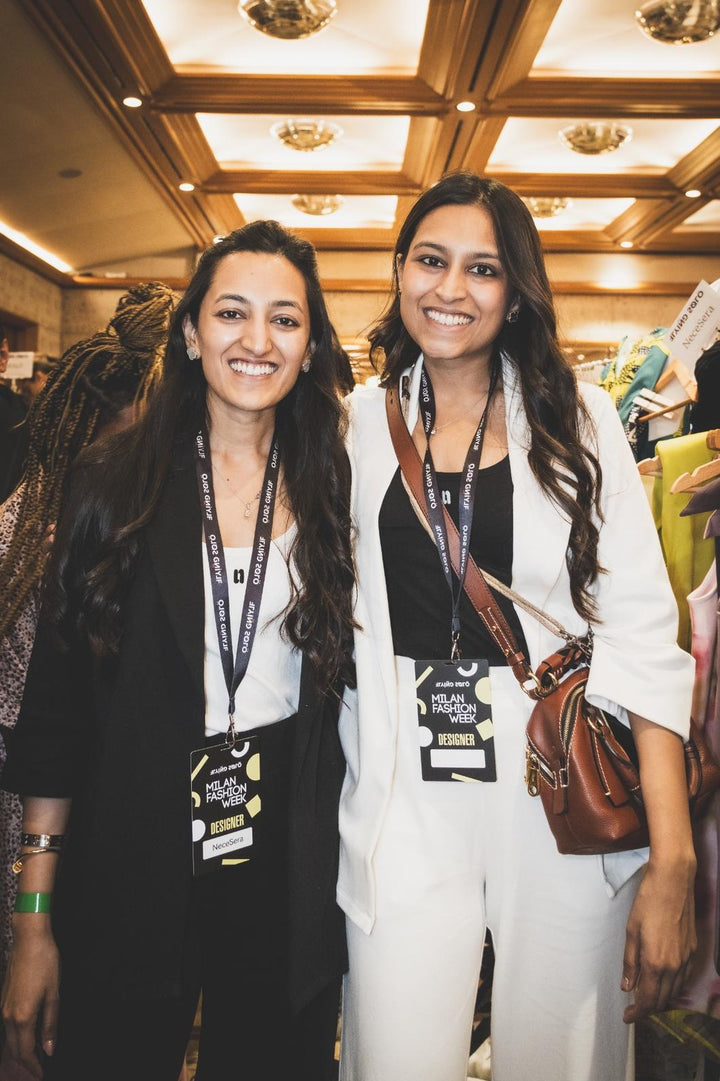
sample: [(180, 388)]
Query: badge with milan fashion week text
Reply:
[(455, 719), (224, 787)]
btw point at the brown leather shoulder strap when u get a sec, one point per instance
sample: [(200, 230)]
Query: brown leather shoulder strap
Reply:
[(476, 587)]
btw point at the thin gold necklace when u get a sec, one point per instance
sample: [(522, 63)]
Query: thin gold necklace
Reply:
[(247, 503), (439, 427)]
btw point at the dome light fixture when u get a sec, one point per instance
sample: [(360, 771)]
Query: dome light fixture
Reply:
[(306, 135), (317, 205), (289, 20), (541, 206), (594, 137), (679, 22)]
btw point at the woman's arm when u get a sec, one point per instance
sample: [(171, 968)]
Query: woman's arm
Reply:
[(660, 939), (30, 994)]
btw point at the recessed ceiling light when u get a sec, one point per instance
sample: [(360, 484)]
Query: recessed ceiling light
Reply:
[(693, 193), (627, 244), (132, 102), (466, 106), (186, 186)]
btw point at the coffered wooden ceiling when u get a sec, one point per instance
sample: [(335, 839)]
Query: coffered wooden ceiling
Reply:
[(390, 73)]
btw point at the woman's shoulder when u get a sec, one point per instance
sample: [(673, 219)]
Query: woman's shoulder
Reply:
[(365, 401)]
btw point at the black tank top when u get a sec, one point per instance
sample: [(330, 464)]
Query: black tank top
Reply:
[(418, 595)]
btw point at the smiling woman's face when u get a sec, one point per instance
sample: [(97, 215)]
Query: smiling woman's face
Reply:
[(253, 332), (455, 292)]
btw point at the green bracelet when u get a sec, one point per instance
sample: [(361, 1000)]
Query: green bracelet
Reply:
[(33, 902)]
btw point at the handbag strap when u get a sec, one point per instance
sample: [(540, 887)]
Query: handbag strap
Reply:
[(536, 684)]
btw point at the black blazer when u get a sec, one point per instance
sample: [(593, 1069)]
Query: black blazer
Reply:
[(116, 736)]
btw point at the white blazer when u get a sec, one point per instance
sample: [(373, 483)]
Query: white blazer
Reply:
[(636, 665)]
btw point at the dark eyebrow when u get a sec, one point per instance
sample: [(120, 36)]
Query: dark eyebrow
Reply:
[(244, 300), (443, 250)]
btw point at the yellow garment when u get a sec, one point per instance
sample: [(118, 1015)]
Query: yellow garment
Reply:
[(687, 555)]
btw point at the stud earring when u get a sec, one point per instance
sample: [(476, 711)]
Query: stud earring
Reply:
[(305, 366), (193, 353), (512, 317)]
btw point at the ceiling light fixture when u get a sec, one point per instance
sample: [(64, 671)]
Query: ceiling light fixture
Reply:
[(679, 22), (317, 205), (542, 206), (693, 193), (306, 135), (132, 102), (186, 186), (627, 244), (25, 242), (288, 19), (466, 106), (594, 137)]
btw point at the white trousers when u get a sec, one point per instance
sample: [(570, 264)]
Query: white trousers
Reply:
[(453, 859)]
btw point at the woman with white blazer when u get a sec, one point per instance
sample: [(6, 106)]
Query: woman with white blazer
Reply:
[(582, 943)]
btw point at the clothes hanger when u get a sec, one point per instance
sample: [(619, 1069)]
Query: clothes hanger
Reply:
[(674, 369), (691, 482), (652, 467)]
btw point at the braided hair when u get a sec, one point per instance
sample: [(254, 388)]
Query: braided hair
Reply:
[(92, 383)]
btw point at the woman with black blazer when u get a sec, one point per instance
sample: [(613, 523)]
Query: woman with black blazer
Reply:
[(177, 746)]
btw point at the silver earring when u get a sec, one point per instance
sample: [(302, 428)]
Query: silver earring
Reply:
[(512, 317), (305, 366), (193, 353)]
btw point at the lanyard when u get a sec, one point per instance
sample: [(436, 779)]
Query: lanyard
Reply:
[(468, 489), (218, 575)]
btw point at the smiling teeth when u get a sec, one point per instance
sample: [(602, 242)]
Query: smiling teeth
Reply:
[(251, 369), (448, 320)]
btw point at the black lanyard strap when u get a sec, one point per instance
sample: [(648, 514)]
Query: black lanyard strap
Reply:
[(468, 489), (235, 673)]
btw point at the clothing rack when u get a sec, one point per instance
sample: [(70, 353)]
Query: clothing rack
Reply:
[(652, 467)]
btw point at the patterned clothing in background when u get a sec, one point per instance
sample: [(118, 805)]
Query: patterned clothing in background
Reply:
[(15, 651), (617, 379)]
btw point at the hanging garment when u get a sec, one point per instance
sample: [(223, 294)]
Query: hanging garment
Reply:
[(702, 991), (687, 554), (620, 374)]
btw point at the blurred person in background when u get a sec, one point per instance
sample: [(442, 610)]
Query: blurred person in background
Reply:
[(99, 385)]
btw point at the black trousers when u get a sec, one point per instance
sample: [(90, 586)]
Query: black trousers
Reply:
[(236, 958)]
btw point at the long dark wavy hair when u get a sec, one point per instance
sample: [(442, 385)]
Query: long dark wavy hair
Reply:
[(310, 421), (86, 391), (561, 459)]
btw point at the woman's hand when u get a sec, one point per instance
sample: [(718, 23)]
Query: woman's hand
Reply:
[(660, 940), (30, 994)]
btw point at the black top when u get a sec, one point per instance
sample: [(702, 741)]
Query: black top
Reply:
[(418, 595)]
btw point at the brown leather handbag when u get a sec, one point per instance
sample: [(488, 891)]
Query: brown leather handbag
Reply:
[(580, 760)]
